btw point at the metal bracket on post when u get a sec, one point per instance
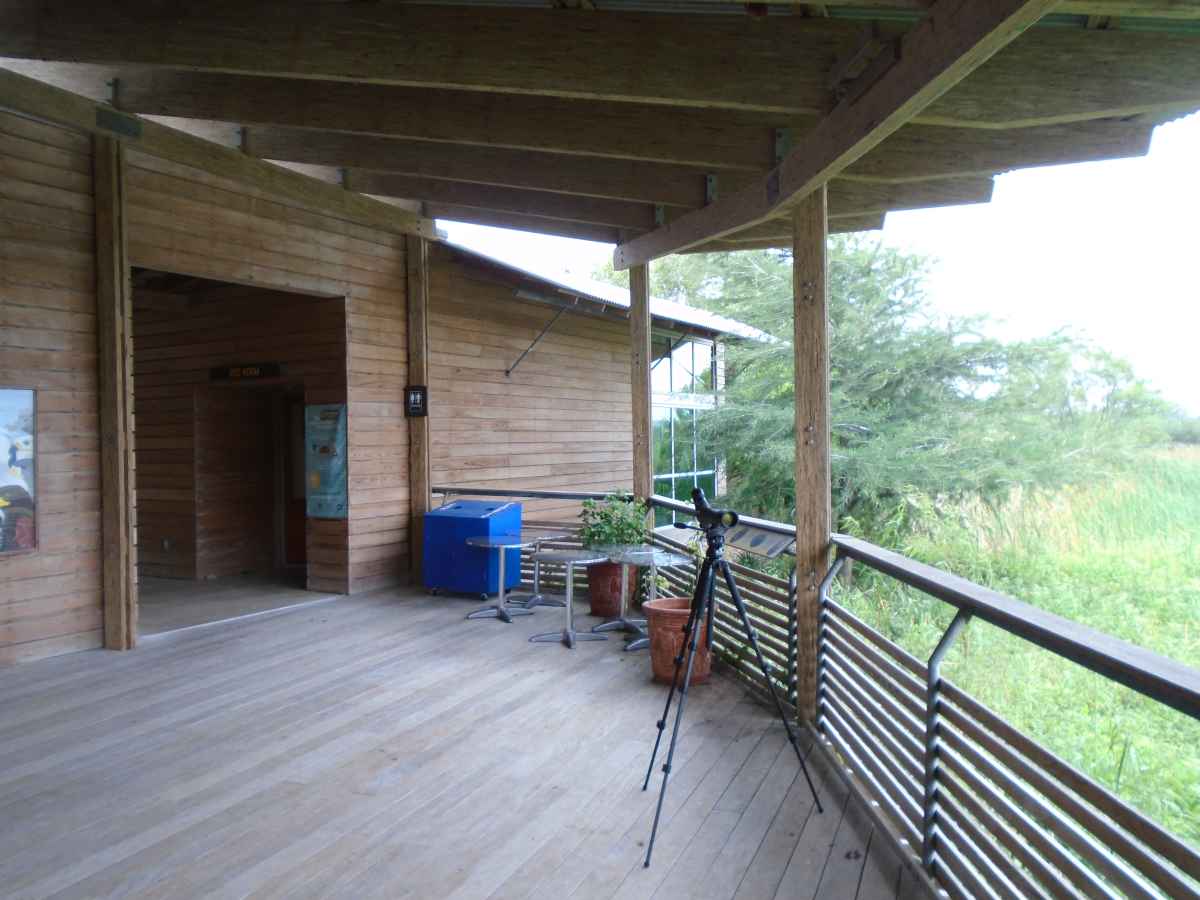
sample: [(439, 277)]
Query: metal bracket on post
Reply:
[(822, 626), (710, 188), (933, 704)]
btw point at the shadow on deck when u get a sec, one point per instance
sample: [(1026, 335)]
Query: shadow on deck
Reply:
[(382, 746)]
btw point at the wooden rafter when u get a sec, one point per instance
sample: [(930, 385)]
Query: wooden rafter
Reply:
[(957, 37), (617, 213), (621, 130), (534, 51), (1049, 75), (27, 96)]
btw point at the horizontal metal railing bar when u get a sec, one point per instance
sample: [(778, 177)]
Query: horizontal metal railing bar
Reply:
[(904, 744), (869, 753), (1158, 677), (765, 617), (964, 881), (887, 663), (1108, 834), (464, 491), (910, 663), (952, 817), (1004, 835), (765, 524), (1146, 831), (908, 706), (743, 572), (870, 724), (964, 756), (900, 817)]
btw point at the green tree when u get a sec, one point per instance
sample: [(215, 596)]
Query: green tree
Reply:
[(924, 407)]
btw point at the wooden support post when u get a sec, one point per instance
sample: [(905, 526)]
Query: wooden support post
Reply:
[(419, 479), (810, 287), (639, 342), (114, 322)]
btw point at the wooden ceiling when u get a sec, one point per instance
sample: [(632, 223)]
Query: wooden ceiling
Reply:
[(602, 120)]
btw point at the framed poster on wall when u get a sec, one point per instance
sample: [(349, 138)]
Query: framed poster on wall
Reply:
[(18, 508), (325, 460)]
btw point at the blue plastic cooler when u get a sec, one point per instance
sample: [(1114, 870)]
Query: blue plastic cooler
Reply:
[(450, 565)]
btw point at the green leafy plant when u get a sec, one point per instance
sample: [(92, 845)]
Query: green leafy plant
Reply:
[(614, 520)]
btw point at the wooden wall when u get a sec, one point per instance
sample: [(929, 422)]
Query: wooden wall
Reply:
[(205, 494), (187, 221), (562, 421), (50, 599)]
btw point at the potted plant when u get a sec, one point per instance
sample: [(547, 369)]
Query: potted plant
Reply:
[(666, 617), (613, 521)]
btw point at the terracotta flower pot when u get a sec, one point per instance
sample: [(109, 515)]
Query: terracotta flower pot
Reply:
[(604, 588), (665, 620)]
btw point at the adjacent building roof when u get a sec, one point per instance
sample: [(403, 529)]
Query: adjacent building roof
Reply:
[(598, 298)]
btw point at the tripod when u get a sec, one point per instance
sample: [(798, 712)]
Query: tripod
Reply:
[(713, 522)]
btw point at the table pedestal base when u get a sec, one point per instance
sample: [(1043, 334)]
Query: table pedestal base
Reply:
[(498, 611), (533, 601), (567, 637)]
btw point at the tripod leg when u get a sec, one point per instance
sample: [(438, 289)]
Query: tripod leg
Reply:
[(705, 572), (704, 590), (727, 574)]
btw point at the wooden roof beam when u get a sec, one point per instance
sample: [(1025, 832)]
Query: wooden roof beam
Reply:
[(846, 199), (44, 102), (601, 233), (779, 65), (535, 51), (957, 37), (544, 204), (719, 139), (915, 152)]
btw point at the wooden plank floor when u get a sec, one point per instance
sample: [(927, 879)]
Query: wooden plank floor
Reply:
[(383, 746), (168, 604)]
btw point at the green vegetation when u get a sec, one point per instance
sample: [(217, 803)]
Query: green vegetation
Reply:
[(616, 520), (1037, 468), (1122, 556)]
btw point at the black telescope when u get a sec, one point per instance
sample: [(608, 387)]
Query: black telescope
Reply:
[(707, 517)]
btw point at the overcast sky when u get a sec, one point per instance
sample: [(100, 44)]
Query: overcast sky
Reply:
[(1110, 250)]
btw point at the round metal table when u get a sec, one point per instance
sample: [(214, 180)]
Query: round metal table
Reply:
[(638, 556), (569, 558), (500, 543), (535, 598)]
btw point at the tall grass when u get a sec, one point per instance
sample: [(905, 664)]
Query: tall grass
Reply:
[(1123, 557)]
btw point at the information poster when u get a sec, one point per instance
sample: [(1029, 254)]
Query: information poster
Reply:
[(18, 525), (325, 460)]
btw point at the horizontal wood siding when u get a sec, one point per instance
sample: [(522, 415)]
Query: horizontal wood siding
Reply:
[(204, 464), (186, 221), (561, 421), (50, 599)]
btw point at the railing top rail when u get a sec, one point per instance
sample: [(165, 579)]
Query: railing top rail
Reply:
[(1146, 672), (462, 491), (764, 524)]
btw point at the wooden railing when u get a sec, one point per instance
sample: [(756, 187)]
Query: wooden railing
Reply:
[(994, 813), (987, 811)]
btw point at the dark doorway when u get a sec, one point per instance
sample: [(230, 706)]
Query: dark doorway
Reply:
[(221, 373)]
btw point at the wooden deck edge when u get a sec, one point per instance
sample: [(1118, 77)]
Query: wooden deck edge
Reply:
[(882, 822)]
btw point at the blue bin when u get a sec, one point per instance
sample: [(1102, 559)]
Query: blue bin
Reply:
[(450, 565)]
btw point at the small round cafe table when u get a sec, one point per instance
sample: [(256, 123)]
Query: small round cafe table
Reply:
[(638, 556)]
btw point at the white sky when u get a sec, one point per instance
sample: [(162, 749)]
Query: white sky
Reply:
[(1110, 250)]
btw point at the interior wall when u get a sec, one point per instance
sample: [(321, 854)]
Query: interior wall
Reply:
[(186, 221), (561, 421), (50, 598), (205, 467)]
